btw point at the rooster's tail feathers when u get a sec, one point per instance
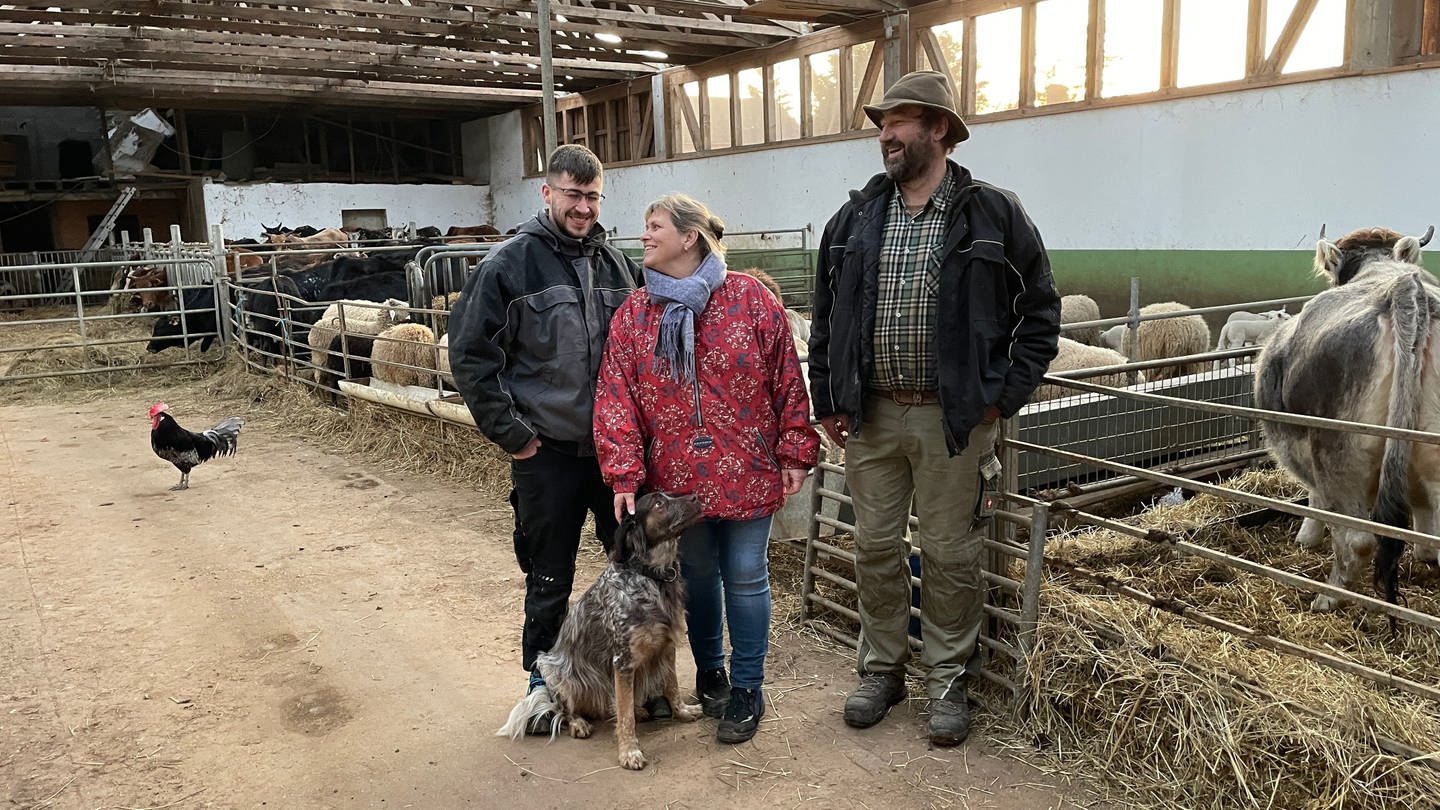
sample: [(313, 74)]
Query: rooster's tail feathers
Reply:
[(226, 435)]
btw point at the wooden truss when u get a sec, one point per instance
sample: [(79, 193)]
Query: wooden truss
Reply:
[(478, 58)]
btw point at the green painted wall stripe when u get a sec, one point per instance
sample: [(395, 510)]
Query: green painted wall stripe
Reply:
[(1196, 278)]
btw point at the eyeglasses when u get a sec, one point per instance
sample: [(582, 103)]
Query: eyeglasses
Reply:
[(576, 195)]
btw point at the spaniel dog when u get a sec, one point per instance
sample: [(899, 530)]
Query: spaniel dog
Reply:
[(616, 649)]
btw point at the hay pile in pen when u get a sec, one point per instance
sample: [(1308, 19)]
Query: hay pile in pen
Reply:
[(395, 440), (1176, 714), (112, 351)]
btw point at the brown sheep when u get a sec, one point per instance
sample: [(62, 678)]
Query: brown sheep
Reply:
[(405, 354)]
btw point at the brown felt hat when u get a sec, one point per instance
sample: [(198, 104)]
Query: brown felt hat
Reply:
[(922, 88)]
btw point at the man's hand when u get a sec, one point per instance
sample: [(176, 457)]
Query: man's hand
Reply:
[(528, 450), (991, 414), (624, 505), (837, 427), (793, 480)]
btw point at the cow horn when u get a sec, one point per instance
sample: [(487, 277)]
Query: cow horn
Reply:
[(1429, 232), (1322, 230)]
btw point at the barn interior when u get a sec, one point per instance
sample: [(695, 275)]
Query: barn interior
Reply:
[(1169, 151)]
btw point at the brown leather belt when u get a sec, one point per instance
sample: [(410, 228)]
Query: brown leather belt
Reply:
[(906, 396)]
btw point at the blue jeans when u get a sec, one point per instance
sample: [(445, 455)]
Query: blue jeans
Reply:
[(727, 581)]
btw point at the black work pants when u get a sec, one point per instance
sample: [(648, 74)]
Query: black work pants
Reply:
[(552, 493)]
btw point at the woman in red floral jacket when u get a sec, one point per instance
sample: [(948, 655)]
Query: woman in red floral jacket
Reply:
[(700, 392)]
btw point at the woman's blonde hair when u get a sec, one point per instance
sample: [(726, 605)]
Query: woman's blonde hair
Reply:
[(689, 214)]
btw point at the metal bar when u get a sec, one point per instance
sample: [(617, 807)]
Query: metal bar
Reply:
[(1256, 500), (1259, 569), (1241, 410)]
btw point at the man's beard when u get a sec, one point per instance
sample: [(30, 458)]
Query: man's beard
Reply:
[(914, 159)]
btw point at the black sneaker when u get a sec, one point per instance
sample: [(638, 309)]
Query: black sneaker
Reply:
[(541, 724), (742, 715), (712, 689)]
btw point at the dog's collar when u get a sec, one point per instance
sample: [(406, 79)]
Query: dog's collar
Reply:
[(657, 574)]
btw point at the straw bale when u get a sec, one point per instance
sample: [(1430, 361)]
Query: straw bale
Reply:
[(1179, 714)]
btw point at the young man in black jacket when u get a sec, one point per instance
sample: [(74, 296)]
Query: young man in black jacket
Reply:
[(935, 315), (526, 338)]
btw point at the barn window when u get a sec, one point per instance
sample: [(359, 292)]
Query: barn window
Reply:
[(689, 118), (1060, 51), (997, 61), (750, 84), (825, 93), (1212, 42), (785, 87), (1132, 47), (861, 55), (1321, 41), (717, 96)]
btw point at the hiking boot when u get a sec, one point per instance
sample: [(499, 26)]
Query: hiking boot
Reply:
[(540, 724), (871, 701), (712, 689), (659, 708), (949, 722), (742, 715)]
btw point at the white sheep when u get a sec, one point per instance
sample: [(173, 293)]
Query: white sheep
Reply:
[(368, 318), (1164, 338), (1077, 309), (1270, 314), (1074, 355), (405, 354), (1237, 333), (442, 361)]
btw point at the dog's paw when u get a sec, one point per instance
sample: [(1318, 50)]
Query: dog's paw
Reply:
[(580, 728), (689, 712), (632, 758)]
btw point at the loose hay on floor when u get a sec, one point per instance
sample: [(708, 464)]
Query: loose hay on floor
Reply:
[(1181, 715), (395, 440)]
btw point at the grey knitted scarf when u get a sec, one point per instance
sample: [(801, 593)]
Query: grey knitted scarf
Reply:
[(684, 298)]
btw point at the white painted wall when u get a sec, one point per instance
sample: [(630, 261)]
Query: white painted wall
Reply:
[(1257, 169), (242, 208)]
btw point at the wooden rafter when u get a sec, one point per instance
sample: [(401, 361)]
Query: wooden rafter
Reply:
[(212, 48)]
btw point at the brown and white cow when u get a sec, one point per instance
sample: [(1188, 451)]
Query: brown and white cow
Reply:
[(1366, 350)]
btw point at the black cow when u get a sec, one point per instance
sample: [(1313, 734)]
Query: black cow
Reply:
[(429, 232), (373, 287), (357, 347), (265, 329), (198, 306)]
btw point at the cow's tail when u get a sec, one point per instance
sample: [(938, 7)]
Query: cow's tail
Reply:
[(1410, 317)]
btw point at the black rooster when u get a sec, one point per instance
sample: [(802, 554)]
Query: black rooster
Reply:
[(185, 449)]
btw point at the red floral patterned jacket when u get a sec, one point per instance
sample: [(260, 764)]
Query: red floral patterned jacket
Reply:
[(724, 438)]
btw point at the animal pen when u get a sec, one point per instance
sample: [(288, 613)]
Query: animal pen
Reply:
[(1172, 642)]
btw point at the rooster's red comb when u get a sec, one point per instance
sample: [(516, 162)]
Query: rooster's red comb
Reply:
[(158, 407)]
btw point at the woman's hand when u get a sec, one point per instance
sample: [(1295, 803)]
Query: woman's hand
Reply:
[(624, 505), (793, 480)]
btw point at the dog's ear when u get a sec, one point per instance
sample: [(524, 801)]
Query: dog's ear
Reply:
[(629, 539)]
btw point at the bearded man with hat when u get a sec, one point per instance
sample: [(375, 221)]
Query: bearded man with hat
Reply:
[(935, 315)]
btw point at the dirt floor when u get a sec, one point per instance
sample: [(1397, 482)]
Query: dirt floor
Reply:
[(305, 630)]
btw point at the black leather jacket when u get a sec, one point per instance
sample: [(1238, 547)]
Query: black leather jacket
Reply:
[(998, 319), (522, 351)]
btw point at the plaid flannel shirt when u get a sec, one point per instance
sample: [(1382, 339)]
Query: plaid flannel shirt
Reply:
[(909, 286)]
